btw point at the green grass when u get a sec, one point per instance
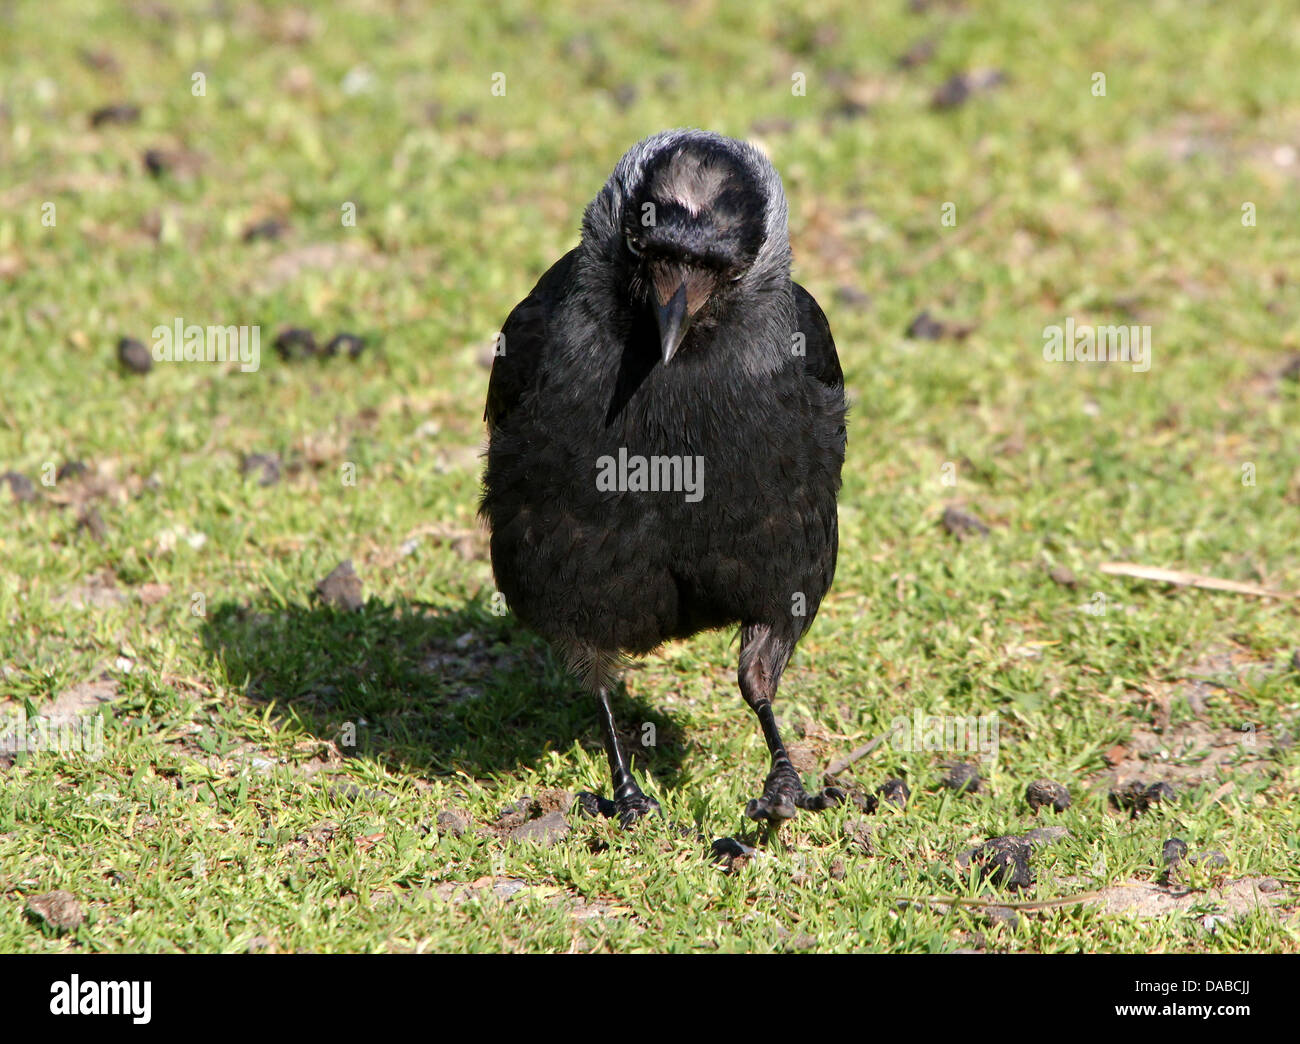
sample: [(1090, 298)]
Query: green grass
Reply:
[(220, 816)]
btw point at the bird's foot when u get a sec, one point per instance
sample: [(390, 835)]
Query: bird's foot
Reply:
[(784, 795), (627, 809)]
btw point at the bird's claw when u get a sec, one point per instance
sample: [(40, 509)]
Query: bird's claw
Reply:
[(827, 797), (784, 795), (633, 808), (626, 809)]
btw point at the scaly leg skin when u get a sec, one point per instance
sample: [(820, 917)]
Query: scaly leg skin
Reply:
[(629, 803), (763, 657)]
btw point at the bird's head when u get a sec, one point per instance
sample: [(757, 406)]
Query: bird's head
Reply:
[(688, 223)]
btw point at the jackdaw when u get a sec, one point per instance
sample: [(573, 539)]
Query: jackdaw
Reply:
[(666, 418)]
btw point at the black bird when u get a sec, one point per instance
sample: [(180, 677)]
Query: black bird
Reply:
[(666, 416)]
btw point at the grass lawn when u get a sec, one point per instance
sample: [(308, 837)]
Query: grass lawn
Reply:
[(279, 774)]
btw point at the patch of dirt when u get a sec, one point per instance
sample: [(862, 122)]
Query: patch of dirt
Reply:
[(79, 485), (73, 702), (859, 833), (544, 830), (507, 889), (316, 839), (1145, 900), (541, 819), (453, 821), (1195, 751), (808, 752), (152, 593), (588, 910), (504, 888), (342, 589), (469, 544), (98, 592), (60, 910)]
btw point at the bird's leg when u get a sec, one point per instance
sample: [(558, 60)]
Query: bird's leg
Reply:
[(629, 803), (762, 659)]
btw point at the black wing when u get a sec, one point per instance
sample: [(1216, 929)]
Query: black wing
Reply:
[(820, 359), (523, 344)]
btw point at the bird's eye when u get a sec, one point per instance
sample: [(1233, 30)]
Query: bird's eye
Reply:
[(633, 247)]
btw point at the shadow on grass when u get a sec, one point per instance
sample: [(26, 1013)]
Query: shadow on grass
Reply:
[(427, 689)]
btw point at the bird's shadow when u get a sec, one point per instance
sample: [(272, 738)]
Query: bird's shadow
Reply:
[(424, 689)]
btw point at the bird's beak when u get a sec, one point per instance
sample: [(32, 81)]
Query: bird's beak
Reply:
[(674, 321), (680, 292)]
